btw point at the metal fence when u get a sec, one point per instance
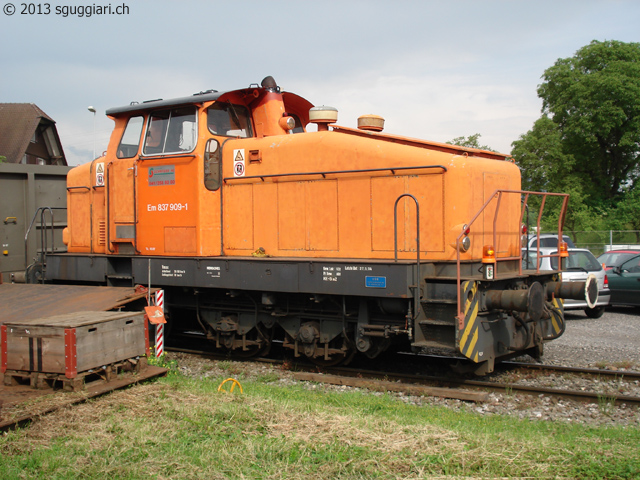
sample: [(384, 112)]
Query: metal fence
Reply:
[(600, 241)]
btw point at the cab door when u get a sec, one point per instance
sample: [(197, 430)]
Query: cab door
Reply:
[(167, 184)]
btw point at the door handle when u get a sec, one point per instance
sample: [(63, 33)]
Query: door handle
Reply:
[(11, 220)]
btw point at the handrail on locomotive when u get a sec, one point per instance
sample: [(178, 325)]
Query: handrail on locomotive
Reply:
[(416, 278), (44, 247), (560, 254)]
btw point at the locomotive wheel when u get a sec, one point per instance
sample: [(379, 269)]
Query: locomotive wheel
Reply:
[(35, 273), (335, 360), (378, 346), (261, 344), (344, 357), (252, 351)]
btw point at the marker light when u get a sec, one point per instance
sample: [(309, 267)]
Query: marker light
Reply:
[(465, 244), (287, 123), (523, 229), (564, 249), (488, 254)]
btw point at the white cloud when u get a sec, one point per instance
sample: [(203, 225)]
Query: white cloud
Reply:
[(434, 70)]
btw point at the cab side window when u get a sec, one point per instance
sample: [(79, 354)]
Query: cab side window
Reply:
[(131, 138), (229, 120), (212, 166), (171, 131)]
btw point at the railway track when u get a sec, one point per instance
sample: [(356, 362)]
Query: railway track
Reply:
[(500, 387), (475, 390), (10, 396), (456, 387)]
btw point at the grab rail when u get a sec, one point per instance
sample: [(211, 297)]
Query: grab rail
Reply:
[(416, 287), (44, 227), (335, 172), (498, 194)]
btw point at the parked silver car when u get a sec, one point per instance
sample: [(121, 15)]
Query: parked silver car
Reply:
[(547, 240), (580, 264)]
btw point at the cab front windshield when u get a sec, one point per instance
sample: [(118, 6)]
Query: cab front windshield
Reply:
[(171, 131), (227, 119)]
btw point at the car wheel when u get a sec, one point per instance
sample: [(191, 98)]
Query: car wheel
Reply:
[(595, 312)]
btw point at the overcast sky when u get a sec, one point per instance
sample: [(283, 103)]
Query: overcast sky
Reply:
[(433, 69)]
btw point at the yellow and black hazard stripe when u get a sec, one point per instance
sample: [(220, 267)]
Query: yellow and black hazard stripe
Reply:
[(469, 330), (557, 316)]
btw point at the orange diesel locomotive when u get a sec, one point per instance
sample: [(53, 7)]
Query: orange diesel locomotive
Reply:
[(335, 241)]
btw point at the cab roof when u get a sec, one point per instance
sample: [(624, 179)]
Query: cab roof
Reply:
[(201, 97)]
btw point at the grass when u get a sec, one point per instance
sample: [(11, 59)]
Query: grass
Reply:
[(177, 427)]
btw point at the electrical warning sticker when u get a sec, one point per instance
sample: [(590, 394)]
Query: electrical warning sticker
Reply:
[(100, 174), (160, 176), (238, 163)]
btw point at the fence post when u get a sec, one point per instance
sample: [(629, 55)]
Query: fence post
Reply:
[(610, 239)]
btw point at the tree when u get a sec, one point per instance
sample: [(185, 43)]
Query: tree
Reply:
[(594, 99), (627, 213), (469, 142), (545, 168), (539, 154)]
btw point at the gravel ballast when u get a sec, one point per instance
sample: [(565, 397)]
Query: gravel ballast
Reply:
[(611, 342)]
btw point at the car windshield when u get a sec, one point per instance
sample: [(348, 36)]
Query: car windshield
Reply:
[(551, 241), (530, 259), (632, 265), (579, 260), (615, 259)]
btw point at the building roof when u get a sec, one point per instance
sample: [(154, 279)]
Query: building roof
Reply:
[(19, 123)]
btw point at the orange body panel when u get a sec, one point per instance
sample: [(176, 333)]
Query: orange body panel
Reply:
[(326, 194)]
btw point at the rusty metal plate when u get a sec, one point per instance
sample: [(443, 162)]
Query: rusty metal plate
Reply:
[(21, 302)]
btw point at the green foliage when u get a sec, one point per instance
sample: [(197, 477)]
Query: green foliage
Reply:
[(472, 141), (162, 361), (587, 142), (539, 154), (628, 211), (178, 427), (3, 159), (594, 99)]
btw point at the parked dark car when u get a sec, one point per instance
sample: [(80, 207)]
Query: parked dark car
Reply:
[(623, 271)]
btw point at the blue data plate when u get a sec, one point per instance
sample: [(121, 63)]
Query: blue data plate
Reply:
[(375, 282)]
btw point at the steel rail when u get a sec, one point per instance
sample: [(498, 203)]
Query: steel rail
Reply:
[(583, 396), (411, 380), (588, 371)]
